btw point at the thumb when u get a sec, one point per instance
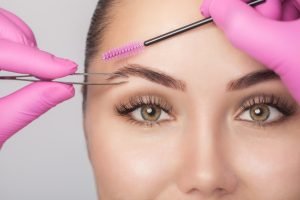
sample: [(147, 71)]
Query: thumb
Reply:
[(22, 107)]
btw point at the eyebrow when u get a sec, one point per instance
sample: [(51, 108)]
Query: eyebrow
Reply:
[(161, 78), (251, 79), (151, 75)]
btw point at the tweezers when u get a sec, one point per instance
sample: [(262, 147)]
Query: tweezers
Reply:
[(104, 79)]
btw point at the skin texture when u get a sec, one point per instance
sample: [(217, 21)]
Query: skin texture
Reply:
[(202, 151)]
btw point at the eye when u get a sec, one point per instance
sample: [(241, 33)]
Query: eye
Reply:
[(146, 110), (266, 109), (150, 113), (261, 113)]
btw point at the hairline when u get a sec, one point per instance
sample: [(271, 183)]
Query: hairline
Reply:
[(100, 21)]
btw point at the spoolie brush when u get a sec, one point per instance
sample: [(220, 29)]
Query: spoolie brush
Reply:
[(134, 48), (124, 51)]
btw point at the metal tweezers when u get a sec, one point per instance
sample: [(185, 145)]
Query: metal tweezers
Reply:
[(104, 79)]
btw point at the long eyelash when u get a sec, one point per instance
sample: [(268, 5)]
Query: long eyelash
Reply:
[(125, 108), (282, 105)]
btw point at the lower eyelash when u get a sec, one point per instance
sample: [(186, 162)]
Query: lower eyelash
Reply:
[(135, 122)]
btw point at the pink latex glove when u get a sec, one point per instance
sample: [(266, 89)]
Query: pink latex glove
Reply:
[(19, 53), (270, 33)]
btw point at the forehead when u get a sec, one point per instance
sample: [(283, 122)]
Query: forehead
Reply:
[(204, 49), (142, 19)]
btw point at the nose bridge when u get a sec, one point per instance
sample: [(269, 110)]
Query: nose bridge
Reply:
[(205, 168)]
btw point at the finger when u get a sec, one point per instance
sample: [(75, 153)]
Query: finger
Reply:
[(271, 9), (223, 13), (290, 11), (14, 29), (24, 59), (22, 107), (297, 4), (264, 39)]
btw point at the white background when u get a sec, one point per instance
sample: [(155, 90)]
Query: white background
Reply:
[(48, 159)]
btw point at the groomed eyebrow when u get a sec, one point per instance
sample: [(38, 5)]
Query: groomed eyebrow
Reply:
[(251, 79), (161, 78), (151, 75)]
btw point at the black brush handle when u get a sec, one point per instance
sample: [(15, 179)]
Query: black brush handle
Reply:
[(190, 27)]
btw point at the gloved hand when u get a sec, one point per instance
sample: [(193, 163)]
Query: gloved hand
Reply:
[(19, 53), (270, 33)]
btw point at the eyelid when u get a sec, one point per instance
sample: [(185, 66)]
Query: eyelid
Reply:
[(269, 99), (136, 101)]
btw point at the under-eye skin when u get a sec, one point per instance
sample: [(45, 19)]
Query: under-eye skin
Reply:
[(146, 110), (265, 110)]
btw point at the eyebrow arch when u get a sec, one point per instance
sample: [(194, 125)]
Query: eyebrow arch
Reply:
[(252, 79), (151, 75)]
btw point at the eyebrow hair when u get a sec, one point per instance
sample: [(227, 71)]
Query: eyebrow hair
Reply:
[(151, 75), (252, 79), (166, 80)]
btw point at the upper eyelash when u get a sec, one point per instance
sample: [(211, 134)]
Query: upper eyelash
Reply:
[(133, 103), (279, 103)]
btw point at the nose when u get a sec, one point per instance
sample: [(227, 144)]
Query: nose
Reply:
[(205, 169)]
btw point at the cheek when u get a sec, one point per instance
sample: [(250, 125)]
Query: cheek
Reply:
[(124, 158), (270, 161)]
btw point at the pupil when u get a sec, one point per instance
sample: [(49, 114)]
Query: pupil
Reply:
[(258, 111), (150, 111)]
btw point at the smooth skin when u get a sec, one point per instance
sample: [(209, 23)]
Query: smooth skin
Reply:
[(19, 53), (207, 149)]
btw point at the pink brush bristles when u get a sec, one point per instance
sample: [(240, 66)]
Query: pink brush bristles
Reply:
[(124, 51)]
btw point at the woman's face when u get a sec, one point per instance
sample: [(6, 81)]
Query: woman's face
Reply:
[(199, 136)]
